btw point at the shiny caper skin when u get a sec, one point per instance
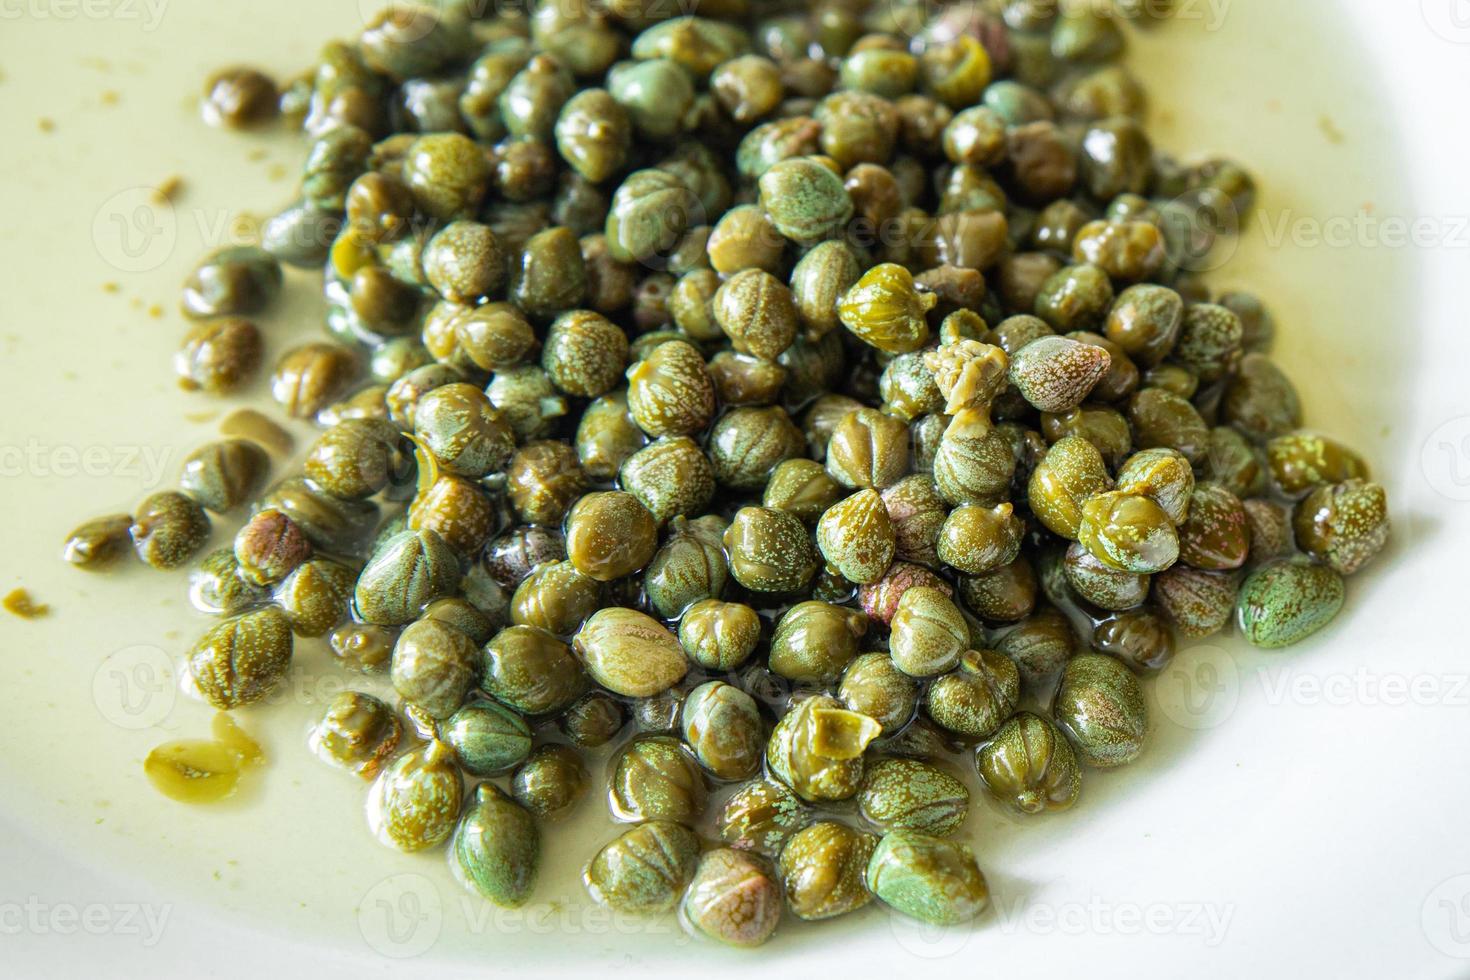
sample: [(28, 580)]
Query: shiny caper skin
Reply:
[(975, 540), (316, 596), (1075, 298), (733, 898), (415, 802), (815, 641), (801, 487), (1286, 601), (463, 615), (556, 598), (770, 551), (1343, 525), (410, 570), (362, 647), (240, 660), (1161, 418), (1261, 400), (645, 870), (1004, 595), (804, 199), (973, 700), (1139, 637), (308, 378), (497, 847), (671, 476), (215, 585), (654, 778), (659, 713), (1162, 475), (757, 313), (465, 433), (974, 461), (630, 653), (908, 794), (670, 391), (928, 633), (1197, 603), (868, 450), (885, 310), (233, 281), (607, 436), (722, 726), (269, 547), (1030, 766), (218, 356), (356, 458), (358, 733), (649, 211), (168, 528), (447, 174), (1100, 584), (1040, 644), (1055, 374), (880, 600), (222, 475), (917, 513), (927, 878), (609, 535), (551, 782), (1128, 532), (719, 635), (856, 538), (690, 567), (543, 480), (747, 443), (822, 868), (1215, 536), (434, 667), (593, 720), (872, 685), (1100, 705), (531, 671), (487, 738), (817, 749), (1300, 461), (493, 337)]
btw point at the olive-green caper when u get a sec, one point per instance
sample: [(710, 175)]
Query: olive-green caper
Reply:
[(650, 210), (856, 538), (593, 719), (817, 749), (1215, 536), (1128, 532), (722, 726), (822, 868), (770, 551), (222, 475), (551, 782), (719, 635), (1162, 475), (927, 878), (747, 443), (690, 567), (240, 660), (928, 633), (670, 476), (654, 778), (1197, 603), (1100, 705), (868, 450), (308, 378), (411, 569), (447, 174), (1300, 461), (974, 462), (815, 641), (885, 310), (219, 355), (415, 802), (1286, 601), (1162, 419), (531, 671), (630, 653), (1040, 644), (232, 282), (555, 597), (466, 434), (434, 667), (99, 542), (316, 596), (543, 480), (357, 732), (805, 199), (1030, 765), (907, 794), (645, 870), (168, 528), (976, 540), (487, 738), (976, 697), (670, 391), (1101, 584), (1343, 525)]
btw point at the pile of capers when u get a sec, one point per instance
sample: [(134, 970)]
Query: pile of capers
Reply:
[(798, 401)]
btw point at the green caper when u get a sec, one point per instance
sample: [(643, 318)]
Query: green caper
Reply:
[(822, 868), (645, 870), (1099, 704), (770, 551), (358, 733), (815, 641), (223, 475), (531, 671), (630, 653), (1030, 765), (654, 778), (168, 528), (722, 726), (496, 847), (551, 782), (817, 749), (241, 660), (976, 697), (415, 802)]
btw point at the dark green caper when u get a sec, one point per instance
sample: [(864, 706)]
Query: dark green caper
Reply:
[(1100, 706), (232, 282), (358, 733), (815, 641), (1343, 525), (593, 719), (531, 671), (630, 653), (316, 596), (555, 597), (411, 570), (907, 794), (551, 782), (487, 738), (497, 848), (747, 443), (1030, 765), (655, 779), (670, 476), (974, 699), (610, 534), (770, 551), (822, 868), (645, 870)]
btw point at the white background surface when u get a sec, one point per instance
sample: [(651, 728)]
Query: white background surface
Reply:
[(1296, 814)]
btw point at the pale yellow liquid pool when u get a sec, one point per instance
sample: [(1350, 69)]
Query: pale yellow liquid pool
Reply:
[(92, 422)]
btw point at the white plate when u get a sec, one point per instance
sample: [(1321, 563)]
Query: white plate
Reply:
[(1298, 811)]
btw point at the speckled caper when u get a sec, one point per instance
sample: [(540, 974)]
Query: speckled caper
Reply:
[(410, 570), (856, 538), (309, 377), (974, 461), (650, 210), (585, 353), (593, 719), (447, 174), (543, 480), (215, 585), (487, 738), (815, 641), (1055, 374), (630, 653), (719, 635), (822, 869), (531, 671), (1075, 298), (555, 597), (733, 898), (233, 281), (358, 733), (218, 356), (645, 870), (801, 487), (770, 551), (1161, 418), (927, 878), (1164, 476), (1039, 645), (690, 567), (1100, 705), (873, 685), (330, 523), (494, 336), (316, 596), (1101, 584), (551, 782), (1197, 603), (976, 540), (880, 600), (928, 633), (1030, 765), (1261, 400), (868, 450), (549, 276), (654, 778), (1145, 321), (168, 528), (804, 199), (463, 615), (1286, 601), (1004, 595), (497, 848), (1215, 536), (670, 476), (1300, 461), (356, 458), (434, 667), (722, 726), (609, 535), (222, 475), (748, 442), (670, 391), (1343, 524), (819, 280), (414, 803), (907, 794), (466, 434), (886, 311), (240, 660), (972, 700), (817, 749), (1128, 532)]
